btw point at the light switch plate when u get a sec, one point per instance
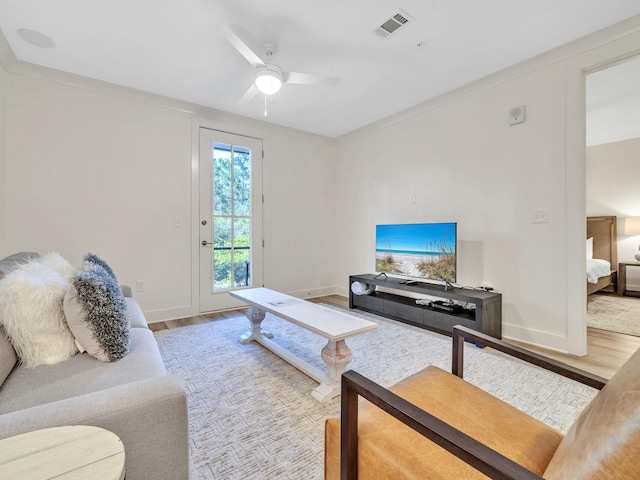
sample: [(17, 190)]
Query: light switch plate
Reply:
[(540, 216)]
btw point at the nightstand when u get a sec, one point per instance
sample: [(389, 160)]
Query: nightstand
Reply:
[(622, 283)]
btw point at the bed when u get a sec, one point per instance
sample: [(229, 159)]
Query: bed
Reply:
[(602, 253)]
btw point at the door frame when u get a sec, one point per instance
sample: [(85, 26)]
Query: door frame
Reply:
[(577, 68)]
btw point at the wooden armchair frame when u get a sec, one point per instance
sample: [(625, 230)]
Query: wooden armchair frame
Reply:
[(469, 450)]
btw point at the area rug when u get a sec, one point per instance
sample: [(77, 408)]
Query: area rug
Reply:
[(251, 415), (614, 313)]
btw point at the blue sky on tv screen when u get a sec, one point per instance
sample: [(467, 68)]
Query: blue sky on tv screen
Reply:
[(414, 236)]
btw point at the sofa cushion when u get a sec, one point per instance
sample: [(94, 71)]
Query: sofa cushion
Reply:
[(81, 374), (96, 312), (31, 313), (389, 449)]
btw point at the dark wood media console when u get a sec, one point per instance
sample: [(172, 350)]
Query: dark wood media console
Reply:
[(476, 309)]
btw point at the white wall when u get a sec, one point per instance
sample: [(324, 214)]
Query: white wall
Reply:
[(612, 180), (90, 172), (466, 164), (107, 170), (3, 81), (300, 244)]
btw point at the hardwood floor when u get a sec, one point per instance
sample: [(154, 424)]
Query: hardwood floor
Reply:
[(606, 351)]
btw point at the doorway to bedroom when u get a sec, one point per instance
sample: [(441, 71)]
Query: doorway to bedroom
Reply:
[(612, 173)]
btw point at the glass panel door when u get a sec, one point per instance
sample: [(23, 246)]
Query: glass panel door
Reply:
[(230, 217)]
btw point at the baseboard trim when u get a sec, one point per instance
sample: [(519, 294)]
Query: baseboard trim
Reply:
[(313, 292), (535, 338), (186, 311), (154, 316), (342, 291)]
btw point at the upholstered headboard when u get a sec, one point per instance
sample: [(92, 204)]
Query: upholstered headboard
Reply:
[(604, 231)]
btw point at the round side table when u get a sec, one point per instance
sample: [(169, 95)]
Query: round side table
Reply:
[(75, 452)]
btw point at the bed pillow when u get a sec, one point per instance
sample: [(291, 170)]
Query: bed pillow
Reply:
[(31, 313), (589, 248), (96, 312)]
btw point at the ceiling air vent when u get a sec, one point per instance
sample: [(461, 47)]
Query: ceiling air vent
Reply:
[(392, 24)]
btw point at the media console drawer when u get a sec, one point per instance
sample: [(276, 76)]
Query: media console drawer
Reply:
[(483, 310)]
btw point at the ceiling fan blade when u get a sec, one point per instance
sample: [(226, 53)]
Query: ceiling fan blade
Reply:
[(309, 79), (242, 47), (249, 94)]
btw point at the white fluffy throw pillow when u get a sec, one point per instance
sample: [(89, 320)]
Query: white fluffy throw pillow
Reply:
[(58, 263), (31, 313)]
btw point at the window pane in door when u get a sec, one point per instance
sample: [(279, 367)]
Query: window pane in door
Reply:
[(242, 181), (222, 179), (242, 251), (222, 253)]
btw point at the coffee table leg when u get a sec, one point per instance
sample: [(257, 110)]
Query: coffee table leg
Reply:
[(255, 316), (337, 355)]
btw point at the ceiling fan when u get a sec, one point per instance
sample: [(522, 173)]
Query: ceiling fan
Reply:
[(269, 76)]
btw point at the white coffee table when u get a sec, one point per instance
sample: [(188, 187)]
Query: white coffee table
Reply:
[(76, 452), (331, 324)]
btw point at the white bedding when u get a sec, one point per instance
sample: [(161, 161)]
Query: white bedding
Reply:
[(597, 268)]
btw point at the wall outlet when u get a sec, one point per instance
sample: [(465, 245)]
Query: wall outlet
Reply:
[(139, 285)]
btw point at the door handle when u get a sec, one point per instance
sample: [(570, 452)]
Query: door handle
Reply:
[(205, 243)]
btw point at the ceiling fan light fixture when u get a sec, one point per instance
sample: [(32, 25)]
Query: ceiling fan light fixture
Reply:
[(269, 80)]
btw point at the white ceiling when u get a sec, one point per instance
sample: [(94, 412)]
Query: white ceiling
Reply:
[(175, 48), (613, 103)]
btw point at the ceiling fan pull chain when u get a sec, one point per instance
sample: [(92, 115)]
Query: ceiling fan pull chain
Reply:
[(265, 105)]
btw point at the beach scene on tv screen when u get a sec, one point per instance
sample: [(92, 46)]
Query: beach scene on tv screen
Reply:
[(425, 250)]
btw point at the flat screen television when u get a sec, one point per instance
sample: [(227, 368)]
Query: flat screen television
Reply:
[(423, 250)]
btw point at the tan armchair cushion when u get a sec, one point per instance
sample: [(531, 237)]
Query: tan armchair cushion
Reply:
[(604, 441), (389, 449)]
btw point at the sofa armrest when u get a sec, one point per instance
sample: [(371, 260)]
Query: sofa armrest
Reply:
[(461, 333), (127, 291), (149, 416)]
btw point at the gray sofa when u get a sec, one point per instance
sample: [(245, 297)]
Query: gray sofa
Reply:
[(133, 397)]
